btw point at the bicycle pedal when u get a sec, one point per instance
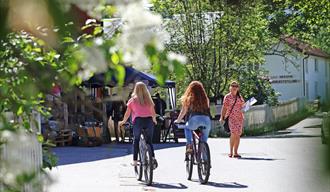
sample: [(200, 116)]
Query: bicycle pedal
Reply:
[(154, 164)]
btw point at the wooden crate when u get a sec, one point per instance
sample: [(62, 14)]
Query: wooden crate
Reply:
[(64, 138)]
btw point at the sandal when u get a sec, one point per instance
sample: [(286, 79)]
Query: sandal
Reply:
[(230, 155), (189, 149), (237, 156), (154, 163)]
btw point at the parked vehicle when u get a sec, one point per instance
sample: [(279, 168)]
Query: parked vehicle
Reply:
[(325, 129)]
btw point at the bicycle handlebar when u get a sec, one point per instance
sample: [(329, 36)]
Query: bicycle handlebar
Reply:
[(180, 125)]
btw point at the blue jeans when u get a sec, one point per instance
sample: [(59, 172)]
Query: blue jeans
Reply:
[(193, 123), (138, 125)]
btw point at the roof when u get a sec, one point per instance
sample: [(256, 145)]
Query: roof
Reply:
[(131, 76), (305, 47)]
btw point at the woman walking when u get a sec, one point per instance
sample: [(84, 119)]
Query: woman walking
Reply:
[(232, 108), (196, 109), (141, 108)]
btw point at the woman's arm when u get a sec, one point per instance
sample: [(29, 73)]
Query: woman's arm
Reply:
[(126, 116), (183, 112), (243, 102), (153, 115), (223, 113)]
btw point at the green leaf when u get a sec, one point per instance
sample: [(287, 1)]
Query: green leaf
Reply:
[(115, 59), (40, 138), (120, 75), (68, 40), (20, 110), (97, 30)]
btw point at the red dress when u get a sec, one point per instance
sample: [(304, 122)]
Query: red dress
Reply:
[(236, 118)]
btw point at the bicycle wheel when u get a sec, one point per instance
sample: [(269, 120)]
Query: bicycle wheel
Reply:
[(189, 165), (203, 162), (138, 168), (148, 166)]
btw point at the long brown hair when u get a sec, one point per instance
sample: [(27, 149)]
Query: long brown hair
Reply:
[(142, 94), (195, 98)]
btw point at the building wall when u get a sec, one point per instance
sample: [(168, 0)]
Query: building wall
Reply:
[(287, 76), (317, 75)]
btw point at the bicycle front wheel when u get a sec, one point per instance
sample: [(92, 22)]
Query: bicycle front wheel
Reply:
[(138, 168), (203, 162), (148, 166), (189, 165)]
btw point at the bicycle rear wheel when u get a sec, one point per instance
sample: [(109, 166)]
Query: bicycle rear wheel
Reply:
[(203, 162), (148, 166), (138, 168), (189, 165)]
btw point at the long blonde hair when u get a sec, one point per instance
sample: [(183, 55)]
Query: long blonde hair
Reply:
[(142, 94)]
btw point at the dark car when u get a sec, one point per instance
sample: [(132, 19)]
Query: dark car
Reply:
[(325, 129)]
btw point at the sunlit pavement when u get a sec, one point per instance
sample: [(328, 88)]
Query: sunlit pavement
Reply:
[(289, 162)]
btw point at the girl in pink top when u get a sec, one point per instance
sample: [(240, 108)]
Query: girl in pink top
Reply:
[(141, 108)]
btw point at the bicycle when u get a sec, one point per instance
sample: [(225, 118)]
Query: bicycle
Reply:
[(200, 156), (146, 164)]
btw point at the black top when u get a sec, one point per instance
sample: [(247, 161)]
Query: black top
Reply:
[(116, 109), (191, 114)]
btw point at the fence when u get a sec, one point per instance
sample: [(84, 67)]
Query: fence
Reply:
[(22, 153), (263, 114)]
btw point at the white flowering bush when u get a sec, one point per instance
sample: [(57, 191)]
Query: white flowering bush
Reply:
[(36, 54)]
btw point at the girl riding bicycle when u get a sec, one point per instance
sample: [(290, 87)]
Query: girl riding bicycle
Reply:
[(141, 107), (196, 108)]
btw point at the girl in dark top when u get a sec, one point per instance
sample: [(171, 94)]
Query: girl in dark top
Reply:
[(196, 108)]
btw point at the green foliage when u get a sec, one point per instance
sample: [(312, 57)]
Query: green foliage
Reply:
[(308, 20), (28, 70), (222, 41), (49, 159), (255, 83), (226, 40), (31, 64)]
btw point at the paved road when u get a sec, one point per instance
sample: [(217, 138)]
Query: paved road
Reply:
[(283, 162)]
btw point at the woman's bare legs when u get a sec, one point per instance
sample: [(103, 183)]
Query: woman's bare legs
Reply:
[(236, 143), (231, 142)]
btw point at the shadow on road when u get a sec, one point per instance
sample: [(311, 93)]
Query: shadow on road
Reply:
[(227, 185), (72, 155), (168, 186), (258, 159), (223, 185)]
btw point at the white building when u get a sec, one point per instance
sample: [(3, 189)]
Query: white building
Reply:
[(305, 73)]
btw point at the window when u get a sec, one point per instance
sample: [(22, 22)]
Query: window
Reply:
[(316, 91), (316, 66)]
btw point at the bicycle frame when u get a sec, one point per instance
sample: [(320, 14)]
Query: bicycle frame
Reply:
[(195, 138)]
